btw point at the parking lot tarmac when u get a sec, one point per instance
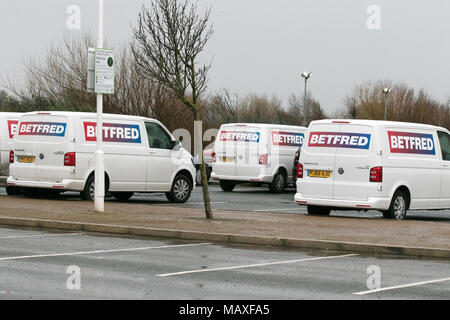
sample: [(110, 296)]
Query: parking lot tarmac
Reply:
[(76, 265)]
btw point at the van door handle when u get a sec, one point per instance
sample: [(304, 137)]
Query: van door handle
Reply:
[(152, 152), (59, 153), (365, 168), (20, 150), (445, 165)]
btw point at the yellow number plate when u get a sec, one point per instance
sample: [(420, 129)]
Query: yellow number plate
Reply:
[(227, 159), (26, 159), (320, 173)]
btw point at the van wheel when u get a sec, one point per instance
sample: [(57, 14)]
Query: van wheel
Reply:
[(318, 210), (122, 196), (29, 192), (181, 189), (11, 191), (278, 183), (227, 186), (399, 206), (89, 189), (198, 177)]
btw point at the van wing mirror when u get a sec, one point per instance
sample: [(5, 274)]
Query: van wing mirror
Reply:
[(176, 145)]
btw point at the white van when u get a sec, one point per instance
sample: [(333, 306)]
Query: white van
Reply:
[(253, 152), (8, 125), (55, 151), (368, 164)]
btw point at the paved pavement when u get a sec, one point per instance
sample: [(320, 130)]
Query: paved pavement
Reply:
[(76, 265)]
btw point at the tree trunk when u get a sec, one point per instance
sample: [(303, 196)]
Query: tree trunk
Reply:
[(206, 199)]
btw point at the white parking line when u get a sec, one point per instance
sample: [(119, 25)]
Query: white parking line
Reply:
[(100, 251), (42, 235), (281, 209), (255, 265), (401, 286)]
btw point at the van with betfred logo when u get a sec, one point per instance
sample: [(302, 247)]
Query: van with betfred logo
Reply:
[(256, 153), (8, 126), (55, 151), (388, 166)]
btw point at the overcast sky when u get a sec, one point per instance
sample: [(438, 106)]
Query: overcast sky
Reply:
[(262, 46)]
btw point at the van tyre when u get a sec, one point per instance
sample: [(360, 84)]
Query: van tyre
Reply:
[(318, 210), (278, 183), (181, 189), (11, 191), (399, 206), (227, 186), (198, 175), (122, 196), (88, 192), (29, 192)]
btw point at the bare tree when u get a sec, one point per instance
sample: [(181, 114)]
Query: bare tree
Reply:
[(404, 103), (170, 35), (296, 109)]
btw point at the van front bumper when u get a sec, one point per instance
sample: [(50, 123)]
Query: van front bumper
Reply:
[(266, 178), (65, 184), (372, 203)]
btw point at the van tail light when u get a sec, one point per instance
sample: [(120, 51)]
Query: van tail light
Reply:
[(263, 158), (213, 156), (11, 156), (376, 174), (69, 159), (299, 170)]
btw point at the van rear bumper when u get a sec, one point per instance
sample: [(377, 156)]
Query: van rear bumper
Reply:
[(259, 178), (374, 203), (65, 184)]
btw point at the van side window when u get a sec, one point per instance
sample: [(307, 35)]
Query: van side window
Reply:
[(444, 141), (157, 136)]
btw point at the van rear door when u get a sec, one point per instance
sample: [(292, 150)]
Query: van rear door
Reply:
[(25, 148), (250, 143), (354, 159), (53, 145), (225, 151), (318, 158)]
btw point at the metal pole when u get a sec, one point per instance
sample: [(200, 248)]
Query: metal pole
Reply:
[(385, 110), (305, 104), (99, 155)]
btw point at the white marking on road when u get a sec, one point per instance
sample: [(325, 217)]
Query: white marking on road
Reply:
[(255, 265), (193, 203), (42, 235), (101, 251), (280, 209), (401, 286)]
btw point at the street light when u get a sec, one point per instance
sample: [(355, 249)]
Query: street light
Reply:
[(306, 75), (385, 92)]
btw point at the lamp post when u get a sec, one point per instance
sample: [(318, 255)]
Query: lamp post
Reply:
[(306, 75), (385, 92), (99, 178)]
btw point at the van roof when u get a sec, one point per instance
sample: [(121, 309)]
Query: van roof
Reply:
[(8, 114), (87, 114), (377, 123), (261, 125)]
